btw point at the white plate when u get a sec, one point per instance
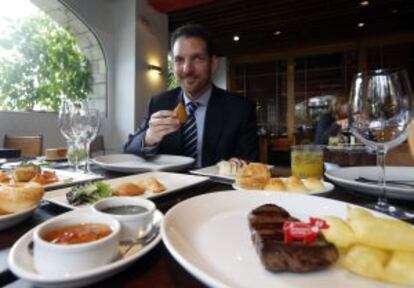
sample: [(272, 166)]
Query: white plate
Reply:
[(21, 262), (346, 176), (172, 181), (213, 171), (328, 187), (69, 178), (209, 236), (9, 220), (132, 163)]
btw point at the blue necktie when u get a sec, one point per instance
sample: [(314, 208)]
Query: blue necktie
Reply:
[(190, 132)]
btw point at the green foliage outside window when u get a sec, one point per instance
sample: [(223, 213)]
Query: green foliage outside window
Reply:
[(172, 82), (39, 62)]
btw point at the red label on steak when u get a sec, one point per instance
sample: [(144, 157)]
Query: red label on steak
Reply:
[(266, 225)]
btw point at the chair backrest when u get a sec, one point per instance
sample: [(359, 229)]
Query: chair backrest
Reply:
[(97, 146), (30, 146)]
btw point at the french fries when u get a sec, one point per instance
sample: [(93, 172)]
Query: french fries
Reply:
[(339, 232), (366, 261), (374, 247)]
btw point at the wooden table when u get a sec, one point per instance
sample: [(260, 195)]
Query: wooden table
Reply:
[(158, 268)]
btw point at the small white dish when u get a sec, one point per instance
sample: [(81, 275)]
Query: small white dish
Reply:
[(345, 176), (9, 220), (60, 259), (328, 187), (209, 236), (133, 163), (20, 261), (133, 226)]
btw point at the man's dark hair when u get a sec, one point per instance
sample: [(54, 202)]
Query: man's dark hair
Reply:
[(194, 30)]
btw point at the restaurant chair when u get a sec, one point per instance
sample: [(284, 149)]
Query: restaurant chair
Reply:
[(97, 146), (30, 146)]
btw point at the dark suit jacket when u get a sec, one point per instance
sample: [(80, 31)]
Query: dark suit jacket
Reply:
[(325, 128), (229, 128)]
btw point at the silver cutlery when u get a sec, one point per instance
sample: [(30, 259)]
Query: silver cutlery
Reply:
[(406, 183)]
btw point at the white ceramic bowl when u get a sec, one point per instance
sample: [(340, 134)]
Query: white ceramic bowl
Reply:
[(133, 226), (58, 259)]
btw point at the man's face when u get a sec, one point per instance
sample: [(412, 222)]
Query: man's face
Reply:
[(192, 65)]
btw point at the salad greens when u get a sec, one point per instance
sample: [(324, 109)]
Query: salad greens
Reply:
[(88, 193)]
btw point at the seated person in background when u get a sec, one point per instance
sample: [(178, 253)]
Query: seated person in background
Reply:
[(218, 125), (331, 123)]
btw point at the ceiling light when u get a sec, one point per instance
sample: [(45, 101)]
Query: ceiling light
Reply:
[(236, 38), (364, 3), (361, 24), (394, 11), (276, 33)]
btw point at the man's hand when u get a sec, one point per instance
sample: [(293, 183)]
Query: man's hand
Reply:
[(161, 123)]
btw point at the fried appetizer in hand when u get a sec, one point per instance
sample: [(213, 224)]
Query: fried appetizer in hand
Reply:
[(128, 189), (181, 113)]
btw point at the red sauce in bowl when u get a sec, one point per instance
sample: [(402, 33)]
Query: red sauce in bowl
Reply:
[(77, 234)]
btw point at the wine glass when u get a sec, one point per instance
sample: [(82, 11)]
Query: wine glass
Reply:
[(65, 119), (381, 108), (86, 123)]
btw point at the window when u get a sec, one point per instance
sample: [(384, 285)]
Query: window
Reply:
[(35, 68)]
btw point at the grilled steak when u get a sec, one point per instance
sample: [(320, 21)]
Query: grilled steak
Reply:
[(266, 226)]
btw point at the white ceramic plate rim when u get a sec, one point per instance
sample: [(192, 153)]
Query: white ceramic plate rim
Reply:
[(177, 162), (54, 196), (372, 189), (14, 215), (328, 187), (38, 278), (207, 277)]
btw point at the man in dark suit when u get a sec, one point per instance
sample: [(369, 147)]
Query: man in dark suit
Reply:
[(219, 125)]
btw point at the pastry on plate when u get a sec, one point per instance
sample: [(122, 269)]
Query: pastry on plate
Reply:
[(128, 189), (19, 196), (4, 178), (294, 184), (25, 172), (313, 184), (153, 184), (230, 168), (253, 176)]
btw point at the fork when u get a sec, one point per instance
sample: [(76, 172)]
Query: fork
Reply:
[(127, 245)]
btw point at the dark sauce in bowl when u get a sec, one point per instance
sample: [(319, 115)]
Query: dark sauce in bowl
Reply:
[(125, 210)]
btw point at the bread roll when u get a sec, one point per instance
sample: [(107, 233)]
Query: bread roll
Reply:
[(181, 113), (253, 176), (275, 184), (128, 189), (20, 196), (24, 173), (313, 184), (294, 184)]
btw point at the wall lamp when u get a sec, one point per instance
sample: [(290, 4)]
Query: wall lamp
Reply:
[(154, 68)]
